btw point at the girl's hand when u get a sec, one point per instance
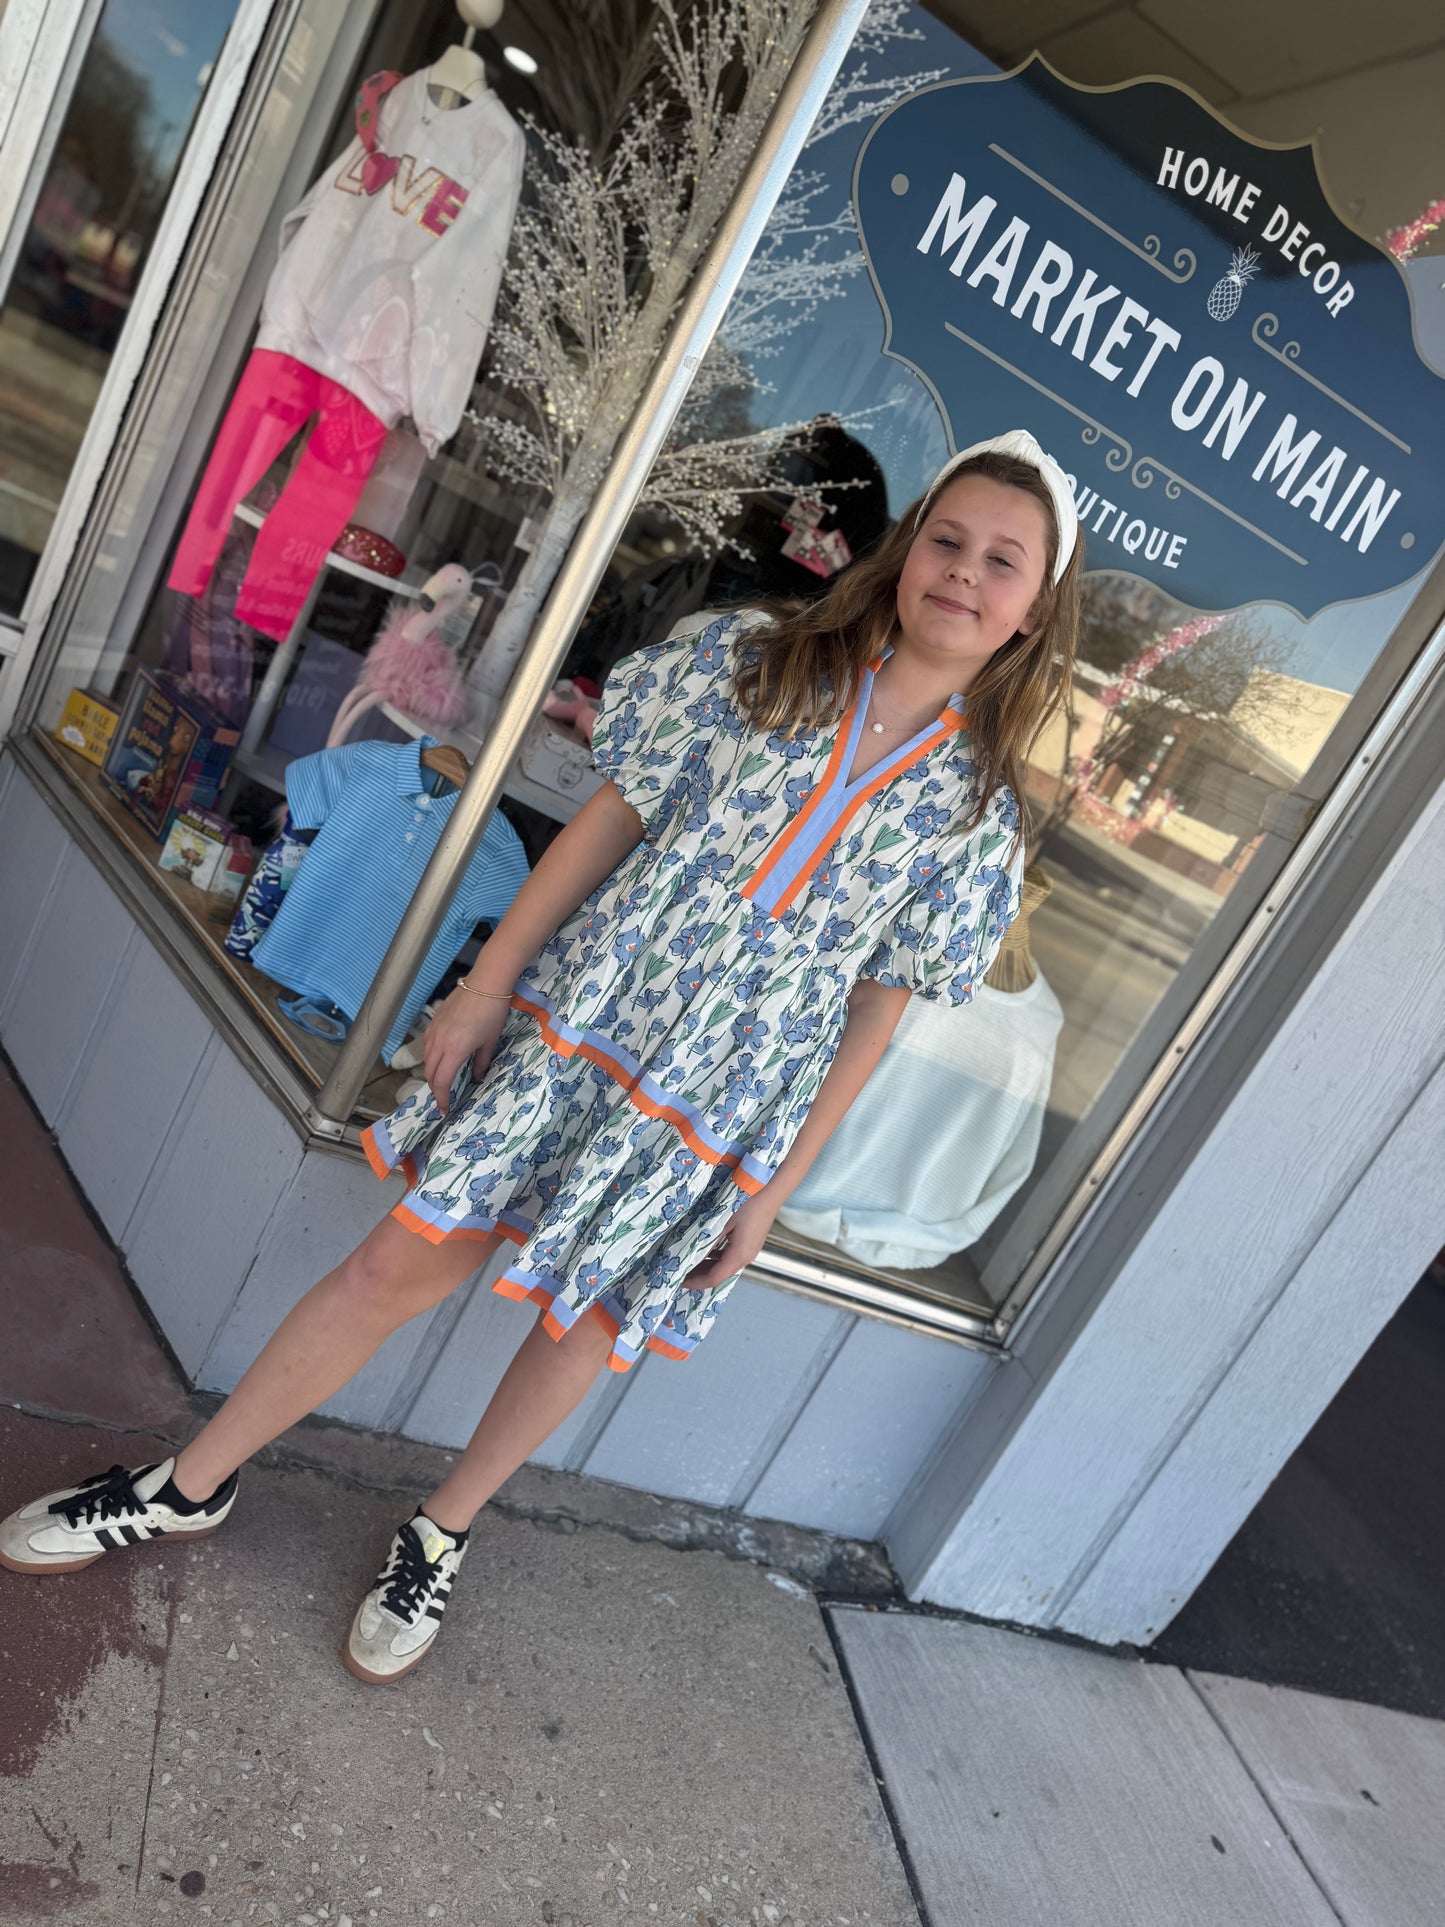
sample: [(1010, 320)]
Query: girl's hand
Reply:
[(464, 1026), (743, 1238)]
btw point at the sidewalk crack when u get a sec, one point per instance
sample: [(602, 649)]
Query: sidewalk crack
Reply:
[(1259, 1787), (168, 1593)]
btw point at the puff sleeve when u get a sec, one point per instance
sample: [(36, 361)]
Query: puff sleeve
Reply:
[(650, 738), (943, 942)]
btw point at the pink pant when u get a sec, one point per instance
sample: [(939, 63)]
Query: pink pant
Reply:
[(276, 395)]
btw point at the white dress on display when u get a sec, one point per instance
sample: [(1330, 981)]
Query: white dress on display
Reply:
[(941, 1136)]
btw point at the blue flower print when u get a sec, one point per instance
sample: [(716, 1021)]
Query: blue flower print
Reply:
[(712, 863), (758, 939), (749, 1028), (927, 820), (960, 945), (921, 869), (749, 801), (1008, 810), (628, 944), (789, 747), (713, 711), (834, 932), (710, 655), (611, 1019), (752, 985), (688, 939), (699, 814), (797, 790), (941, 893), (801, 1027), (876, 871)]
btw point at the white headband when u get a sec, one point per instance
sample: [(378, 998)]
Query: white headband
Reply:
[(1019, 443)]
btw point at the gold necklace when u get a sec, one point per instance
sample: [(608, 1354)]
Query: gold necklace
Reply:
[(877, 728)]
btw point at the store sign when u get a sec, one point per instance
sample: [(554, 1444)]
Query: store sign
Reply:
[(1226, 371)]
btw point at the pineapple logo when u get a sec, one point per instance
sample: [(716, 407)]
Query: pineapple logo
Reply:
[(1224, 296)]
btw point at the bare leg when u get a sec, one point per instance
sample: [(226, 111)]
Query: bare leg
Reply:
[(543, 1383), (323, 1341)]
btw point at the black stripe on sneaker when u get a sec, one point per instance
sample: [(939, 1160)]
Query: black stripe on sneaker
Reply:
[(129, 1535), (433, 1612), (108, 1536)]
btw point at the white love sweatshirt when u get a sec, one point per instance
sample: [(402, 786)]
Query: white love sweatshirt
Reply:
[(390, 266)]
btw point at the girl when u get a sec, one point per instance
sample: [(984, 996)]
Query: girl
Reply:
[(807, 818)]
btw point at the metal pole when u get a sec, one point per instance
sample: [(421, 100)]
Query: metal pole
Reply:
[(799, 99)]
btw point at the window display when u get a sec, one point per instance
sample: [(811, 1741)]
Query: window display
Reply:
[(457, 296), (379, 307)]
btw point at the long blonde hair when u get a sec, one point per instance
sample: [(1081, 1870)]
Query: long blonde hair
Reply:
[(803, 670)]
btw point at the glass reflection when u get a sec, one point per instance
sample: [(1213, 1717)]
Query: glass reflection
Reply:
[(96, 213)]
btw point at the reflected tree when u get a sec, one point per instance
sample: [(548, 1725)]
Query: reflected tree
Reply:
[(1229, 670), (610, 232)]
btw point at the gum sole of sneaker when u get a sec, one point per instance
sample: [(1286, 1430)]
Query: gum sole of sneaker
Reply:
[(67, 1565), (358, 1671), (79, 1565)]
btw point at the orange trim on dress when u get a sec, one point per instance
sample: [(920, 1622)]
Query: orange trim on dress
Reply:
[(871, 788), (779, 849), (379, 1165), (435, 1235), (730, 1161), (668, 1351)]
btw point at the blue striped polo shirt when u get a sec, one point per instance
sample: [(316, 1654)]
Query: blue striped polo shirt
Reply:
[(378, 826)]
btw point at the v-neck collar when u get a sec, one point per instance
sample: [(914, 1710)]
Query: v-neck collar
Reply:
[(784, 869), (953, 714)]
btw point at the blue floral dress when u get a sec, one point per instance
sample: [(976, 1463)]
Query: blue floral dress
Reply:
[(663, 1049)]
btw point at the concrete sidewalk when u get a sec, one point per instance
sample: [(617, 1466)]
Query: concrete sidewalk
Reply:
[(636, 1709)]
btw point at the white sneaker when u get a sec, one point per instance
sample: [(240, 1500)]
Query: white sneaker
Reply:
[(400, 1617), (74, 1527)]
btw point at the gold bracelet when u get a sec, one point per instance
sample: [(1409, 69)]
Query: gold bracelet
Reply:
[(504, 995)]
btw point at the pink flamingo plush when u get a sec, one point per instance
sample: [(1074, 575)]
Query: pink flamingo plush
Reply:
[(409, 666)]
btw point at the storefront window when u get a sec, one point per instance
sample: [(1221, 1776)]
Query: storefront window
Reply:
[(396, 462), (83, 249)]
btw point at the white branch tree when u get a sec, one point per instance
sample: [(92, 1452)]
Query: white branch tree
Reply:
[(603, 248)]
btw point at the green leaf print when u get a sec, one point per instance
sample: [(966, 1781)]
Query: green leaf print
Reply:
[(654, 966), (886, 838), (752, 763), (722, 1012), (669, 726)]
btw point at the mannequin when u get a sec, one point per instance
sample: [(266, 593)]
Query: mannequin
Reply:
[(460, 75), (948, 1126)]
